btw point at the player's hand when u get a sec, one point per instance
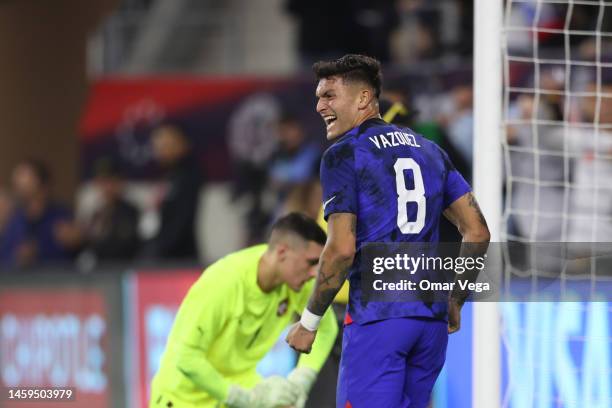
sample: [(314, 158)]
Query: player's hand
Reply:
[(302, 378), (454, 315), (300, 339), (273, 392)]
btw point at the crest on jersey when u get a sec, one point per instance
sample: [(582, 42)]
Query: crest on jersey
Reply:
[(282, 307)]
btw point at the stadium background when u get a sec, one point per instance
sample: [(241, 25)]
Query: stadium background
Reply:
[(84, 83)]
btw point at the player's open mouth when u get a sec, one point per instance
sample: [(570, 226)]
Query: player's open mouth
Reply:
[(329, 120)]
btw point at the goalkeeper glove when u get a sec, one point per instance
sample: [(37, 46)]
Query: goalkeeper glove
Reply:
[(272, 392), (302, 378)]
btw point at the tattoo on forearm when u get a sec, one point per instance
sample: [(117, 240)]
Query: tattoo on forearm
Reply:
[(323, 278), (319, 304), (329, 282), (333, 267), (474, 204)]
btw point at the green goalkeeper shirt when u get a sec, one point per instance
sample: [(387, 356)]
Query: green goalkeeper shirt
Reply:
[(225, 326)]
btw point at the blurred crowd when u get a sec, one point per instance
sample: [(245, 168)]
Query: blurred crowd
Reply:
[(393, 31), (404, 32), (560, 159), (274, 173), (559, 145), (36, 230), (558, 122)]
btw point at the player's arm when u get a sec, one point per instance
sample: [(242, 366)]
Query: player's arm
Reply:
[(199, 322), (465, 213), (273, 391), (193, 364), (334, 263)]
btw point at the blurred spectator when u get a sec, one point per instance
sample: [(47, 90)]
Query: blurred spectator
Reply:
[(536, 171), (305, 199), (39, 229), (293, 170), (523, 14), (459, 121), (418, 37), (296, 160), (178, 205), (397, 100), (591, 194), (252, 141), (560, 185), (433, 29), (112, 231)]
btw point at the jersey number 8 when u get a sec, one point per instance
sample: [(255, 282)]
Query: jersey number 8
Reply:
[(405, 196)]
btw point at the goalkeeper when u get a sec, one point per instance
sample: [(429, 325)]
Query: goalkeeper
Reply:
[(234, 314)]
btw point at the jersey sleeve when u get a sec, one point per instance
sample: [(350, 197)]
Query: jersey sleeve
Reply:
[(338, 180), (455, 185), (201, 317)]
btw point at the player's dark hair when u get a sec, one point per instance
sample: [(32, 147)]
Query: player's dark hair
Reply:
[(352, 67), (301, 225)]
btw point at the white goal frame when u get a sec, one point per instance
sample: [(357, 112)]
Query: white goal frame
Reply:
[(487, 176)]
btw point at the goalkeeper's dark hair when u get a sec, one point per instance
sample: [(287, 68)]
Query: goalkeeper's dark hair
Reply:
[(352, 67), (300, 225)]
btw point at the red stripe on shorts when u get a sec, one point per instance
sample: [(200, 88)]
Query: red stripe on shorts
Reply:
[(347, 319)]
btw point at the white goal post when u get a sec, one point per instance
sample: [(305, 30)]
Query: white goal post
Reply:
[(487, 176)]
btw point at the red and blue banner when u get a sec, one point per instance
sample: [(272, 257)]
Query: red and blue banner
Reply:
[(215, 113)]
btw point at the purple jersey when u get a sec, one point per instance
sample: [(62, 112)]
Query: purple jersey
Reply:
[(398, 184)]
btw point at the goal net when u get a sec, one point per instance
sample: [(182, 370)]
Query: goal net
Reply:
[(556, 123)]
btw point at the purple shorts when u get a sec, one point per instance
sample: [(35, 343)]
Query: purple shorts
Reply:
[(391, 363)]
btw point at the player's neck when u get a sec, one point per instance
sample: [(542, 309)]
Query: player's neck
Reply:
[(370, 112), (267, 279)]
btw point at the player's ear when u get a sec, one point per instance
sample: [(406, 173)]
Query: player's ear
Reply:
[(281, 250), (365, 97)]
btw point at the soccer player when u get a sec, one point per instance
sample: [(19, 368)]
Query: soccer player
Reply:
[(381, 183), (233, 315)]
